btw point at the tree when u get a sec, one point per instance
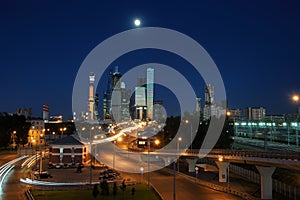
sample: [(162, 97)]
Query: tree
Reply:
[(115, 189), (21, 127), (13, 128), (104, 187), (95, 191), (172, 126), (132, 191), (5, 135)]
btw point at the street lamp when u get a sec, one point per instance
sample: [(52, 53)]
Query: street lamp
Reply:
[(92, 128), (157, 142), (296, 99), (179, 140), (228, 114), (174, 168), (148, 143), (114, 156), (187, 122), (196, 172), (142, 172), (62, 131)]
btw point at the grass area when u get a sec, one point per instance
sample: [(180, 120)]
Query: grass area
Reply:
[(7, 151), (141, 192)]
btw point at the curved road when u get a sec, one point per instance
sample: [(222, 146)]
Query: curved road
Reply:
[(11, 188), (185, 189)]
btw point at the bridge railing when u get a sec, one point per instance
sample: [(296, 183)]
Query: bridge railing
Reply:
[(246, 153)]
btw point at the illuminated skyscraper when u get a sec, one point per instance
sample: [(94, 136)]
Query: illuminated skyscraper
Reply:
[(150, 82), (114, 82), (209, 106), (209, 94), (91, 96), (140, 102), (199, 110)]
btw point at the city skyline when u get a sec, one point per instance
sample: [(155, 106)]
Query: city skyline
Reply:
[(254, 46)]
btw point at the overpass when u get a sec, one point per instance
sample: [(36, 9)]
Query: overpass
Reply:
[(265, 161)]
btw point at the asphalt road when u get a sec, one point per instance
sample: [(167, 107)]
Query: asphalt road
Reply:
[(4, 158), (185, 189), (12, 189)]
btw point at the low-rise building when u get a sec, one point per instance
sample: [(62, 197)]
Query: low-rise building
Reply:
[(67, 150), (36, 133)]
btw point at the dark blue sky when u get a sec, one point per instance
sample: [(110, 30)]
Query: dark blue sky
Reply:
[(255, 44)]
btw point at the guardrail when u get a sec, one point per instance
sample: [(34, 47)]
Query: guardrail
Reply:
[(246, 153), (29, 195), (216, 187)]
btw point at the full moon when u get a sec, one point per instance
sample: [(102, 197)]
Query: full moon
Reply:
[(137, 22)]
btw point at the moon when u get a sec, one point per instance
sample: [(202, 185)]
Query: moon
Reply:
[(137, 22)]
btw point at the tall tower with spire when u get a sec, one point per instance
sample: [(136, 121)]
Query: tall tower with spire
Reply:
[(91, 96)]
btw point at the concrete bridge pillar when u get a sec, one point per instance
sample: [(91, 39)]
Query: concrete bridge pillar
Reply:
[(223, 169), (266, 181), (192, 164)]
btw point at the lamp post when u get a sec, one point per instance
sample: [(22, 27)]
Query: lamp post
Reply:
[(114, 156), (92, 128), (191, 129), (62, 131), (296, 99), (196, 172), (142, 172), (228, 113), (174, 168), (148, 143), (179, 140)]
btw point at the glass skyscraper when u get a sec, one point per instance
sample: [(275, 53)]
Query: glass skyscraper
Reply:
[(150, 85)]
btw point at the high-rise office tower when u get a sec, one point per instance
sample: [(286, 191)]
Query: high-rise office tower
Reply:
[(140, 102), (91, 96), (114, 82), (199, 107), (209, 107), (209, 94), (125, 101), (150, 85)]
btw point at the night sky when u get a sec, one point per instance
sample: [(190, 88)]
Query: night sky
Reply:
[(255, 44)]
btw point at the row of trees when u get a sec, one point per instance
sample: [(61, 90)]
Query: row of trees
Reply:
[(13, 130), (172, 125)]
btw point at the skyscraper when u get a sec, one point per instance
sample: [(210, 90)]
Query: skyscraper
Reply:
[(125, 95), (209, 106), (140, 102), (209, 94), (114, 82), (199, 107), (91, 96), (150, 85)]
